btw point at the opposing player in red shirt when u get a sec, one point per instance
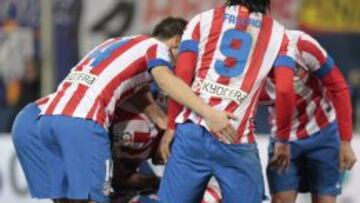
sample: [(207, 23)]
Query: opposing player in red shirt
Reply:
[(225, 55), (74, 122), (321, 127)]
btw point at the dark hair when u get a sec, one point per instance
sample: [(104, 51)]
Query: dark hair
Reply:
[(169, 27), (260, 6)]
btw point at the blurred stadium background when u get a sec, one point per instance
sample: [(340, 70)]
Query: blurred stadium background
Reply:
[(40, 40)]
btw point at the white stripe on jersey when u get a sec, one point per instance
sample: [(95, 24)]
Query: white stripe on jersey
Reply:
[(270, 55)]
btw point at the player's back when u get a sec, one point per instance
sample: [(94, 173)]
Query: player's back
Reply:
[(313, 108), (236, 51), (109, 73)]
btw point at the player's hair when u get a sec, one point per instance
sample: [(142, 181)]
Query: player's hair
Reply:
[(260, 6), (169, 27)]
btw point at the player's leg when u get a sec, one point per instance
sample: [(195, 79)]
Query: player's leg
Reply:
[(284, 185), (238, 171), (29, 149), (188, 170), (53, 161), (85, 147), (323, 199), (284, 197), (324, 173)]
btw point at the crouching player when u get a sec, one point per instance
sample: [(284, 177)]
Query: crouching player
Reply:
[(321, 129), (135, 141)]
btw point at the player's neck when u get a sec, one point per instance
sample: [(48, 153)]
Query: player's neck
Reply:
[(167, 42)]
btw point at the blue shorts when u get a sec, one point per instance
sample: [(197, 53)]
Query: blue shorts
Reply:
[(314, 165), (29, 149), (77, 158), (197, 156)]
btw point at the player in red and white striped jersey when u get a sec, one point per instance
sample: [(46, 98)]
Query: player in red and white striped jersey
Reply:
[(135, 141), (323, 113), (225, 55), (77, 116)]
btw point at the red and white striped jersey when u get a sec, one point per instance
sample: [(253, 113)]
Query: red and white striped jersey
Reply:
[(135, 136), (314, 110), (108, 74), (41, 103), (236, 51), (212, 193)]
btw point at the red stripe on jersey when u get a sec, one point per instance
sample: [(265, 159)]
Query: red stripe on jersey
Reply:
[(213, 193), (214, 35), (81, 90), (309, 47), (42, 101), (57, 98), (210, 47), (151, 53), (196, 34), (320, 116), (251, 136), (91, 113), (187, 113), (256, 60), (284, 45), (243, 14), (133, 69), (75, 100), (303, 117), (245, 119), (114, 55), (258, 55), (81, 65)]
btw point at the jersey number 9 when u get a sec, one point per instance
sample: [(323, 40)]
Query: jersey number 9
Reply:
[(236, 47)]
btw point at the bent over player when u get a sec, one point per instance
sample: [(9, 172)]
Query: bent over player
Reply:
[(226, 55), (135, 141), (321, 128), (74, 122)]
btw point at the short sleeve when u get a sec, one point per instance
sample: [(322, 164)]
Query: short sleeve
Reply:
[(191, 37), (158, 55), (315, 56)]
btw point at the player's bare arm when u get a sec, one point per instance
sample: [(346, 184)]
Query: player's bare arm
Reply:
[(218, 121), (165, 145), (146, 103)]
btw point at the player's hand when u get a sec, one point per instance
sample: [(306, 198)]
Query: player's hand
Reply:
[(160, 122), (165, 145), (347, 156), (157, 116), (219, 124), (281, 158)]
